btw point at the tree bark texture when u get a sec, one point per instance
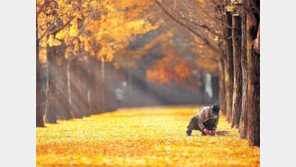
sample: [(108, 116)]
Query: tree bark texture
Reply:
[(237, 71), (215, 88), (73, 87), (222, 100), (109, 90), (83, 87), (62, 87), (39, 112), (243, 124), (51, 90), (228, 67), (253, 77), (100, 79), (94, 94)]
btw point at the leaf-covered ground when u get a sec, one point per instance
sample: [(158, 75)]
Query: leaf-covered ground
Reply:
[(140, 137)]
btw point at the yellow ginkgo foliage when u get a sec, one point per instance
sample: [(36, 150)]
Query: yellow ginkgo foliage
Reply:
[(101, 27)]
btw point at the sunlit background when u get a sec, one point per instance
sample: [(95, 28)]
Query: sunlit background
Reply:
[(115, 54)]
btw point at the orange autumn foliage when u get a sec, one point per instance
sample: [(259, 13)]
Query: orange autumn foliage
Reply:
[(140, 137), (94, 28), (172, 70)]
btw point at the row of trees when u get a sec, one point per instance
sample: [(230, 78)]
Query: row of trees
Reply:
[(75, 89), (231, 30), (240, 99), (76, 40)]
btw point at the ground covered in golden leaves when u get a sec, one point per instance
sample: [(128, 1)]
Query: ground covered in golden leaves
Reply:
[(140, 137)]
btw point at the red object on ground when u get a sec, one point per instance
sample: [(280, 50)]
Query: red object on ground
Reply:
[(213, 133), (222, 133), (207, 132)]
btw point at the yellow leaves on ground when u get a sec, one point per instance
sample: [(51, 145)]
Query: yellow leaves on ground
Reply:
[(140, 137)]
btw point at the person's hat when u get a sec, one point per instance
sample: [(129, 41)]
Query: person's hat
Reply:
[(215, 109)]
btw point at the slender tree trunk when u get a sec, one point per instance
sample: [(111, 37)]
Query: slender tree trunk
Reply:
[(51, 91), (63, 94), (243, 124), (94, 98), (229, 67), (73, 89), (79, 84), (129, 92), (202, 89), (222, 87), (83, 77), (109, 88), (62, 87), (253, 77), (112, 88), (237, 86), (39, 112), (101, 78), (220, 8), (215, 88)]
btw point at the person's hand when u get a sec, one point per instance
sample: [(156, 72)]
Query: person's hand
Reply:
[(213, 133), (207, 132)]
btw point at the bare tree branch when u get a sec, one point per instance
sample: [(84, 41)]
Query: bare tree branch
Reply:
[(85, 24), (210, 16), (205, 27), (205, 40), (59, 29)]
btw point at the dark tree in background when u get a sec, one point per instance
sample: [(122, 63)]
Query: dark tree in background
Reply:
[(109, 88), (73, 85), (95, 86)]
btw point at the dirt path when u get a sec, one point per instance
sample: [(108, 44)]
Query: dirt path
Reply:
[(140, 137)]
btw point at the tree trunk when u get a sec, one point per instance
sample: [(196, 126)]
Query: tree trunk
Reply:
[(243, 124), (101, 78), (51, 91), (109, 89), (215, 87), (253, 78), (73, 89), (39, 112), (237, 86), (222, 100), (94, 98), (129, 92), (63, 94), (228, 67), (62, 87), (202, 89), (83, 88)]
